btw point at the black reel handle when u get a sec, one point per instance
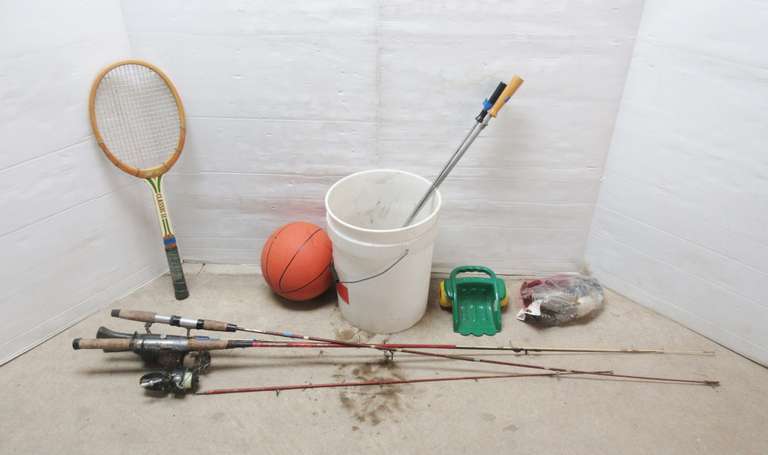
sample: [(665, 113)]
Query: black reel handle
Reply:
[(490, 101)]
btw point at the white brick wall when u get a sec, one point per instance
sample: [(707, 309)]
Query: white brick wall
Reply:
[(285, 97), (74, 232), (680, 225)]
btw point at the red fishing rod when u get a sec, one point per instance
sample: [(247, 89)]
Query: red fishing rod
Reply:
[(208, 324), (169, 352), (515, 349), (375, 382)]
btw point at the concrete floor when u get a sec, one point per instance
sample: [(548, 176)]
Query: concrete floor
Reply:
[(57, 400)]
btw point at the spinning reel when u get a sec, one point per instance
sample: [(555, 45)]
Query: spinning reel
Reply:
[(167, 352), (177, 380)]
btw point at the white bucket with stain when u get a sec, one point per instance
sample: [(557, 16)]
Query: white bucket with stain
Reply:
[(383, 268)]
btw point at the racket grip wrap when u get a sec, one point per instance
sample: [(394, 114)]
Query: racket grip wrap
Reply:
[(174, 266)]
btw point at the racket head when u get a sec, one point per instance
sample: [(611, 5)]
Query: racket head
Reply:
[(137, 117)]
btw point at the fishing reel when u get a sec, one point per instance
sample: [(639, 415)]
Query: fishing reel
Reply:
[(179, 379), (168, 353)]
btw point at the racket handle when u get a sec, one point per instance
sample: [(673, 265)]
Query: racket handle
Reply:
[(174, 266)]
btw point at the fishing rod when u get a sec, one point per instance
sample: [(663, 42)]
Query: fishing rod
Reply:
[(516, 349), (178, 341), (491, 108), (375, 382), (169, 351), (206, 324)]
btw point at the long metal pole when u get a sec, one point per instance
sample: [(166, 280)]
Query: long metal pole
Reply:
[(491, 108), (473, 133), (440, 177)]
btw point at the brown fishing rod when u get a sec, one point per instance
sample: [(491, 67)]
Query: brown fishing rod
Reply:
[(208, 324), (467, 347), (169, 351), (375, 382)]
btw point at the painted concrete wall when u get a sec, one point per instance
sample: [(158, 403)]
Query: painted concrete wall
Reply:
[(680, 225), (74, 232), (283, 98)]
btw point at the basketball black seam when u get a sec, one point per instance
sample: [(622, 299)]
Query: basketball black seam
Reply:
[(280, 281), (266, 259), (311, 281)]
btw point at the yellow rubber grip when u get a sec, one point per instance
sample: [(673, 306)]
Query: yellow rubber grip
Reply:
[(512, 87)]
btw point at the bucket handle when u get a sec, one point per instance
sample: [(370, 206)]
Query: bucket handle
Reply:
[(375, 275)]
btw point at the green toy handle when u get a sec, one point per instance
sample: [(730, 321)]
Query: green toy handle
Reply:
[(450, 283), (472, 268)]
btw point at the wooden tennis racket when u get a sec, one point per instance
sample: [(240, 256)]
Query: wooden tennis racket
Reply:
[(137, 117)]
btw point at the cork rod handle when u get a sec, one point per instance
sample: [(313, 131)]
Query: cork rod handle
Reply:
[(134, 315), (107, 344)]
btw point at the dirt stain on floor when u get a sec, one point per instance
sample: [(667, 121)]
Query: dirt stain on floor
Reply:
[(511, 428), (345, 334), (373, 404), (488, 417)]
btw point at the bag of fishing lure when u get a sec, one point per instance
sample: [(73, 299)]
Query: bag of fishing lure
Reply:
[(560, 299)]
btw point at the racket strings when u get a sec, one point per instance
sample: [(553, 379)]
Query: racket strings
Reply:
[(137, 116)]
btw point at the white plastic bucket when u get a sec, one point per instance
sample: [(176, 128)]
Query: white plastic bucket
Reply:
[(383, 268)]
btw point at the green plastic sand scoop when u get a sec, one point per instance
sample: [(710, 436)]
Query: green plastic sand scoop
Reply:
[(476, 300)]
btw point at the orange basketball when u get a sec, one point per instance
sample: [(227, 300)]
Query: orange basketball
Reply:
[(296, 261)]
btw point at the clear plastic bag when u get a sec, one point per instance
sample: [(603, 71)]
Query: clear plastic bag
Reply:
[(560, 299)]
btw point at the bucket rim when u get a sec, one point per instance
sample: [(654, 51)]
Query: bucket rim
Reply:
[(426, 220)]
